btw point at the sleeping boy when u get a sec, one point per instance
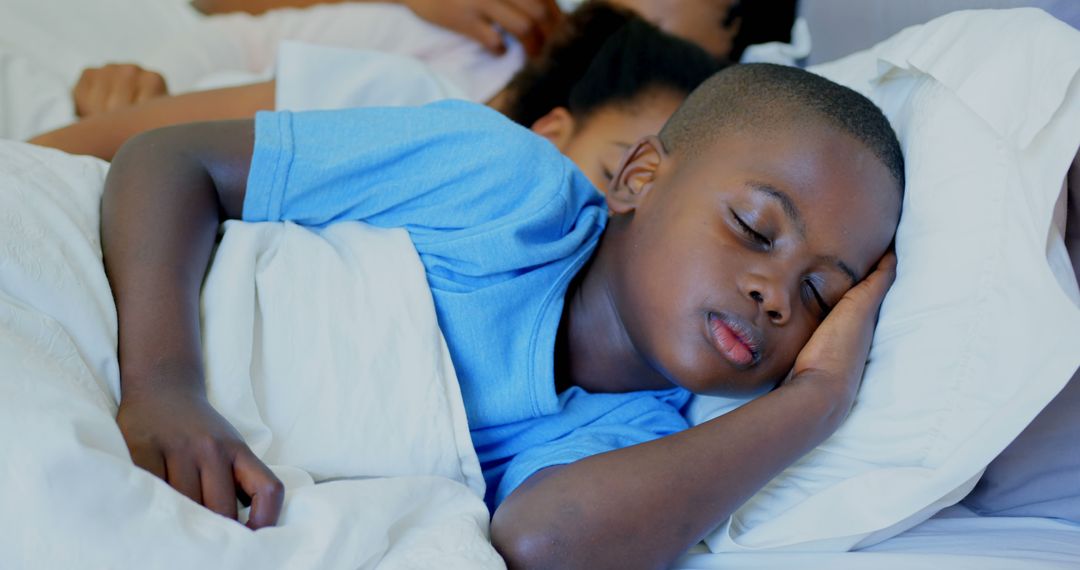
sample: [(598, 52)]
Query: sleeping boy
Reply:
[(744, 253)]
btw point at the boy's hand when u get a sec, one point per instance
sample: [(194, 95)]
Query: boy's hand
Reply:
[(530, 21), (835, 355), (177, 435), (115, 86)]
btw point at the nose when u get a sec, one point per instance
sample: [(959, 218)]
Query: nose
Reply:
[(770, 296)]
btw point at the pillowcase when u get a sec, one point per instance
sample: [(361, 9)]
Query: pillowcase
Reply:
[(977, 334), (1037, 475)]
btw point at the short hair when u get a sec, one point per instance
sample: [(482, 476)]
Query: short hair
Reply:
[(603, 55), (764, 96)]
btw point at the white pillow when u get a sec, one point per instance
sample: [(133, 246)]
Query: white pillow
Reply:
[(977, 334), (311, 77)]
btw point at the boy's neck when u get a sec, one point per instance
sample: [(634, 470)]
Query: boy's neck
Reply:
[(592, 348)]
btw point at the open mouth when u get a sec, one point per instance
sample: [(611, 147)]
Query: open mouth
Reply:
[(735, 339)]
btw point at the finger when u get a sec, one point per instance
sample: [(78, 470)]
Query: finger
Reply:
[(122, 91), (96, 93), (485, 33), (79, 93), (183, 475), (536, 10), (265, 489), (150, 85), (511, 19), (149, 459), (883, 276), (553, 18), (218, 487)]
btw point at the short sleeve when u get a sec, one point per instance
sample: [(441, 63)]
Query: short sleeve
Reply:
[(589, 424), (443, 167)]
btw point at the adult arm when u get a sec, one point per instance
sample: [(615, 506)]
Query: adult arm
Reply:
[(530, 21), (644, 505), (164, 197), (101, 135)]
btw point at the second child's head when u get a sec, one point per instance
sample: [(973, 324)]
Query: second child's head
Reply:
[(766, 196), (607, 79)]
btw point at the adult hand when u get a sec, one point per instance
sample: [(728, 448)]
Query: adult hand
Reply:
[(177, 435), (114, 86), (834, 357), (530, 21)]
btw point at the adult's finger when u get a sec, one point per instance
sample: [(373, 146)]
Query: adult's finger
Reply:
[(265, 489), (149, 86), (534, 9), (122, 90), (218, 488), (510, 18), (93, 95), (481, 30), (183, 475)]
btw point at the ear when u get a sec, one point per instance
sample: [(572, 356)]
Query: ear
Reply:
[(557, 126), (636, 175)]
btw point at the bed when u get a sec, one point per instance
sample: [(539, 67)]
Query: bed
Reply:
[(73, 498), (956, 538)]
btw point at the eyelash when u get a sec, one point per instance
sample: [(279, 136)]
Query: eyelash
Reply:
[(766, 242), (825, 308), (749, 231)]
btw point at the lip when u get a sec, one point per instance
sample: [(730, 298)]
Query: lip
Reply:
[(735, 338)]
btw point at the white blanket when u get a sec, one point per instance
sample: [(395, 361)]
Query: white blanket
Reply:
[(322, 349)]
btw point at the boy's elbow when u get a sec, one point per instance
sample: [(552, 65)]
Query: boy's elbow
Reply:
[(525, 545)]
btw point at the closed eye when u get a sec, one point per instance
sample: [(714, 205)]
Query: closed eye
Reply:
[(825, 308), (750, 232)]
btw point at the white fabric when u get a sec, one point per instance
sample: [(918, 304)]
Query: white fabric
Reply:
[(375, 27), (782, 53), (322, 349), (953, 540), (311, 77), (46, 44), (977, 334)]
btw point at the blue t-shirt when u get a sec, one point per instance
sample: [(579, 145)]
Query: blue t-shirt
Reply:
[(502, 222)]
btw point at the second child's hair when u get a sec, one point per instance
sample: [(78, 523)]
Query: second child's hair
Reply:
[(604, 55)]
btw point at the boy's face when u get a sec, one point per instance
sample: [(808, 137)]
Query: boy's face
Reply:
[(733, 258)]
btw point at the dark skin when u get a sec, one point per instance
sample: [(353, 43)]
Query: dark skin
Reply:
[(640, 316)]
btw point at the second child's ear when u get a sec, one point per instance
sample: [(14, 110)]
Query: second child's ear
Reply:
[(636, 175), (557, 126)]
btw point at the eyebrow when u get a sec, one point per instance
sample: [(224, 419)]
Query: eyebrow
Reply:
[(792, 212)]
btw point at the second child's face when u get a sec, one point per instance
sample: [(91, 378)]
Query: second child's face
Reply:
[(735, 257), (597, 143), (703, 22)]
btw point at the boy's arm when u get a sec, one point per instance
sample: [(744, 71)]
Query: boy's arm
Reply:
[(164, 197), (101, 135), (643, 506), (531, 21)]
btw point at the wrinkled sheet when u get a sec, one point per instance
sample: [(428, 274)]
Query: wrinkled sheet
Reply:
[(322, 349), (956, 539)]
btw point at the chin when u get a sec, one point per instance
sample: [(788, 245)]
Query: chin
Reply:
[(733, 385)]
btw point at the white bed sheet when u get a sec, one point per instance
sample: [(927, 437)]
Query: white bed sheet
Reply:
[(955, 539)]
